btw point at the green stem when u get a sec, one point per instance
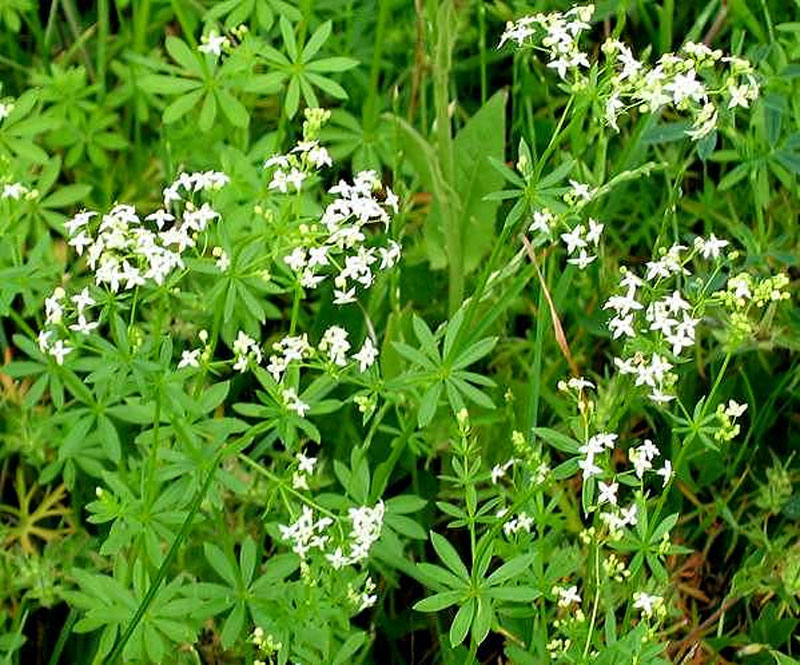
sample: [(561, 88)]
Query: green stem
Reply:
[(259, 468)]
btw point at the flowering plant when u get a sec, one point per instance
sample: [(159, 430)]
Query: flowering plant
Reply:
[(468, 377)]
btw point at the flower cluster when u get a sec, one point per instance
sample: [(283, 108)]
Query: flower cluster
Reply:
[(125, 251), (649, 605), (266, 645), (557, 34), (246, 351), (64, 314), (367, 526), (339, 248), (308, 534), (362, 599), (696, 82), (654, 317), (580, 240), (16, 190), (335, 246)]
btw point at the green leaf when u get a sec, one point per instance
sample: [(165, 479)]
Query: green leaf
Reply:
[(181, 106), (208, 113), (510, 569), (232, 108), (449, 556), (513, 594), (461, 623), (558, 440), (438, 601), (220, 563), (316, 41), (483, 620), (233, 626), (292, 97), (183, 55), (425, 338), (351, 645), (289, 41), (482, 137), (427, 408), (167, 85), (327, 65)]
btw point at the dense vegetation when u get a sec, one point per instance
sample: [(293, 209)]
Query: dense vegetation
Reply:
[(380, 331)]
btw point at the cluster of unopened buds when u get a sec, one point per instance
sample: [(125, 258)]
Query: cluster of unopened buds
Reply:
[(697, 81), (727, 415), (266, 644)]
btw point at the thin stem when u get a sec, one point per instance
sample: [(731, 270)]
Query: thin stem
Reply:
[(259, 468)]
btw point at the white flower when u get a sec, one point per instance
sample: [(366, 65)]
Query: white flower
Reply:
[(317, 256), (498, 471), (83, 300), (79, 220), (646, 603), (366, 356), (628, 515), (622, 326), (589, 468), (299, 481), (59, 350), (80, 242), (739, 96), (342, 297), (542, 219), (83, 326), (582, 260), (213, 43), (579, 383), (734, 409), (568, 596), (574, 239), (686, 86), (595, 231), (665, 472), (43, 340), (190, 358), (338, 560), (297, 259), (710, 248), (581, 191), (608, 493), (160, 217), (294, 403), (305, 464)]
